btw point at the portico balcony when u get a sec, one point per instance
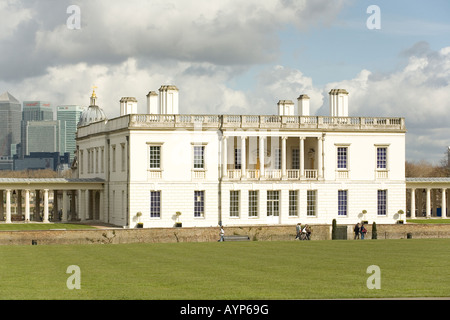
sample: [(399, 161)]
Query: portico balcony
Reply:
[(272, 174)]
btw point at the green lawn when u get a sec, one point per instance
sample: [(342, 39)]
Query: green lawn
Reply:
[(228, 270), (428, 221), (41, 226)]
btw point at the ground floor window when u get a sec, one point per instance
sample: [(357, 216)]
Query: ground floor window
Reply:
[(199, 203), (381, 202), (293, 207), (155, 204), (273, 203), (234, 203), (253, 203), (311, 202), (342, 202)]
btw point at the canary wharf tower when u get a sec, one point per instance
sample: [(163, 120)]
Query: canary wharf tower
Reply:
[(10, 115)]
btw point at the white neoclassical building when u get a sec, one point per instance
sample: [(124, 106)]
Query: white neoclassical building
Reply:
[(243, 169)]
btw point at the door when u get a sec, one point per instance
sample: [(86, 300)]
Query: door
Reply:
[(273, 206)]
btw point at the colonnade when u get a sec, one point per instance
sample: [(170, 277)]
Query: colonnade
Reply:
[(428, 201), (77, 204)]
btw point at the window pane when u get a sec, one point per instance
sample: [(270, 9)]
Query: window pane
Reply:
[(311, 202), (199, 203), (234, 203), (342, 158), (253, 203), (342, 202), (155, 157), (381, 158), (293, 197), (199, 157), (381, 201), (237, 158), (295, 159), (273, 203), (155, 204)]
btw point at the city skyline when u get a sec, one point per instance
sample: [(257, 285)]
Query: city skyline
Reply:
[(234, 58)]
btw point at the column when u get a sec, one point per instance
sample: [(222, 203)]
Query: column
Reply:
[(301, 154), (224, 157), (413, 203), (283, 157), (1, 205), (86, 204), (443, 204), (27, 205), (19, 203), (261, 157), (55, 215), (243, 158), (45, 206), (319, 157), (8, 206), (64, 206), (428, 204)]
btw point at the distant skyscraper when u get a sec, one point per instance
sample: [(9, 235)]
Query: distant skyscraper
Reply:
[(10, 115), (33, 111), (42, 136), (70, 114)]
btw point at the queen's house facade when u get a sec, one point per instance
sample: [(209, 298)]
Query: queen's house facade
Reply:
[(242, 169)]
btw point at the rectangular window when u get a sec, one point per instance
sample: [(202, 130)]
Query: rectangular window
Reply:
[(199, 203), (342, 202), (342, 157), (311, 202), (381, 202), (155, 204), (273, 203), (234, 203), (253, 203), (295, 159), (123, 156), (237, 158), (113, 151), (381, 158), (199, 154), (293, 198), (155, 157), (278, 158)]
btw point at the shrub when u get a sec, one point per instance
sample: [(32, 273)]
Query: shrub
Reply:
[(374, 230)]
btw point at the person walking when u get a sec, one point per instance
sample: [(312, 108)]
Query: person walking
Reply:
[(222, 234), (357, 231), (363, 231), (298, 229)]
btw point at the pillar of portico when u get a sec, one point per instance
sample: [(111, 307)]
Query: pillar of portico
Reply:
[(319, 157), (302, 157), (261, 157), (243, 158), (428, 203), (1, 206), (413, 203), (8, 206), (224, 157), (27, 205), (283, 157), (45, 220), (65, 199), (443, 204)]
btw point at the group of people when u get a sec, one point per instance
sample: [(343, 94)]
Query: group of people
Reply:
[(303, 233), (360, 231)]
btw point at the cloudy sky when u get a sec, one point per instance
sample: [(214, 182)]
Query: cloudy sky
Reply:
[(238, 57)]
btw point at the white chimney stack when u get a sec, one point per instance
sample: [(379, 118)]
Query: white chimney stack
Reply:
[(303, 105), (128, 105), (152, 103), (338, 103), (285, 108), (168, 99)]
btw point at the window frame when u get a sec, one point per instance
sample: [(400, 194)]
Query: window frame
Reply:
[(253, 204), (199, 206), (311, 203), (155, 214), (343, 203), (234, 203)]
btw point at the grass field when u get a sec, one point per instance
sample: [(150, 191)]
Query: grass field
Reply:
[(428, 221), (42, 226), (229, 270)]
